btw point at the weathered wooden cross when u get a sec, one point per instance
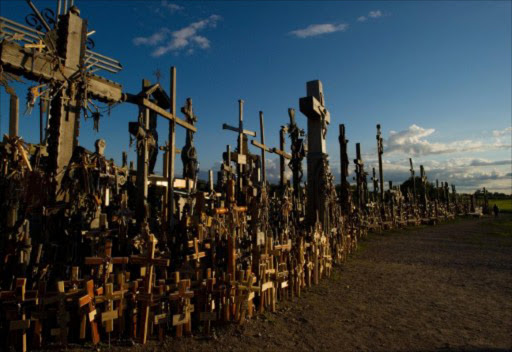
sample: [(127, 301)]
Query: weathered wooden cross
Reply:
[(241, 154)]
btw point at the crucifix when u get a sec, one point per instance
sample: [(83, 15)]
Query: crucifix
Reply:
[(313, 106), (299, 149), (413, 181), (423, 189), (67, 70), (360, 178), (380, 151), (344, 161), (188, 152), (375, 185), (106, 262), (241, 154), (148, 261)]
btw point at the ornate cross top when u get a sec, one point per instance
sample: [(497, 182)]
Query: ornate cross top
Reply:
[(313, 106)]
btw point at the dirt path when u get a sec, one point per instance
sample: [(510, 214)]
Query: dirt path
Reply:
[(443, 288)]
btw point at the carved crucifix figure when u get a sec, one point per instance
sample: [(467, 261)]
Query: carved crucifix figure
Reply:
[(413, 182), (345, 187), (360, 178), (380, 151), (189, 153), (299, 149), (313, 106)]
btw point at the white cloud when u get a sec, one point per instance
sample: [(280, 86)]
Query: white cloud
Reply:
[(413, 142), (371, 14), (504, 132), (185, 38), (318, 29), (153, 39), (375, 14), (171, 6)]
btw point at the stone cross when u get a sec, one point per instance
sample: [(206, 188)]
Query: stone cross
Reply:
[(67, 69), (313, 107)]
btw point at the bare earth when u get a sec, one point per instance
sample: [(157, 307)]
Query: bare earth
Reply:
[(442, 288)]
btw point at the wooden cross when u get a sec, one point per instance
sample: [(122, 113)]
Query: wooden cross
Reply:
[(360, 178), (63, 317), (241, 156), (245, 290), (344, 161), (109, 314), (182, 296), (106, 262), (413, 181), (148, 261), (88, 313), (380, 151), (16, 303), (263, 148), (282, 156), (39, 46), (209, 314)]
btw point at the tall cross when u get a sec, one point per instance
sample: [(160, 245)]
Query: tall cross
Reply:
[(283, 155), (148, 261), (241, 156), (67, 69), (360, 178), (188, 153), (344, 161), (263, 148), (313, 107), (413, 181), (424, 188), (298, 149), (380, 151)]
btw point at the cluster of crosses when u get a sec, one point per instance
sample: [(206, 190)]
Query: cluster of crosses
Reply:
[(95, 251)]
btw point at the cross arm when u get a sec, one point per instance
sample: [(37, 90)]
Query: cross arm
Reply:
[(312, 108), (281, 153), (261, 146), (225, 126), (140, 100), (44, 68)]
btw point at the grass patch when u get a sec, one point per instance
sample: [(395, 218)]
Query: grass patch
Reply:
[(505, 205)]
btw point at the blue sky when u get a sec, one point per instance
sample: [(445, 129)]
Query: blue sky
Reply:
[(436, 75)]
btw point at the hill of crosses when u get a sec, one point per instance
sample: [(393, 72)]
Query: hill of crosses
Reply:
[(92, 251)]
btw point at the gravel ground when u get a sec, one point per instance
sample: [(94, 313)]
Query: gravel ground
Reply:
[(442, 288)]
